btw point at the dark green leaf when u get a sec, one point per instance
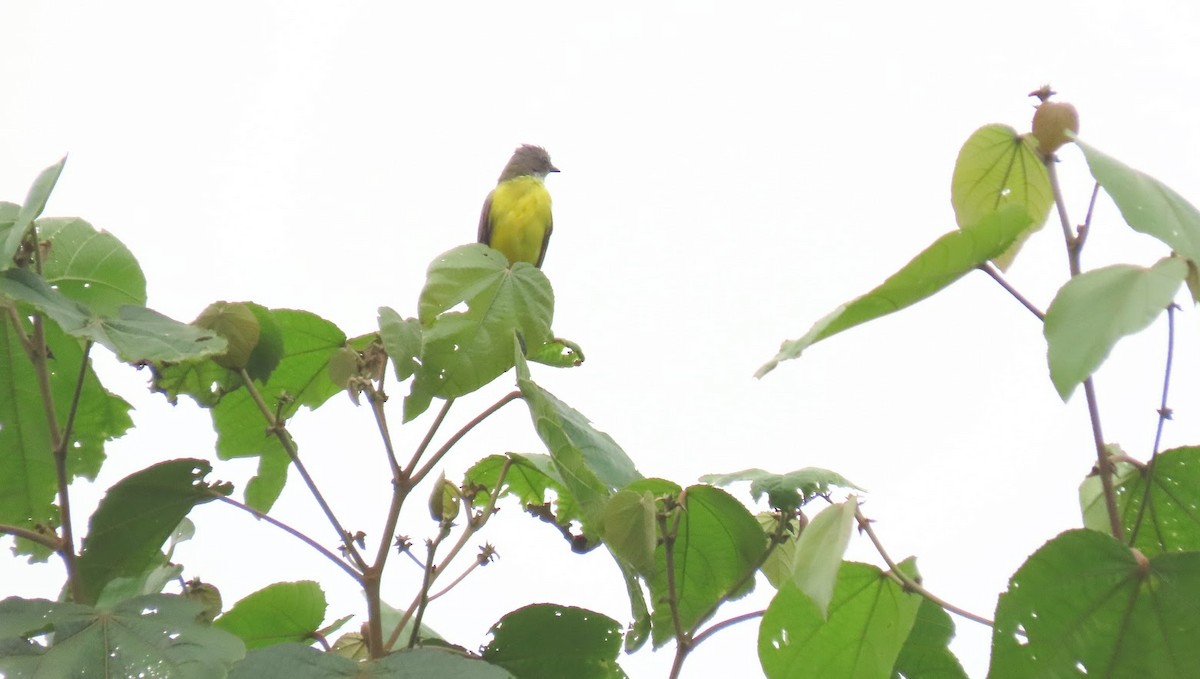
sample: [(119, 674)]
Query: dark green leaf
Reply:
[(546, 641), (90, 266), (1086, 605), (1148, 205), (869, 620), (35, 202), (715, 553), (154, 635), (949, 258), (276, 614), (135, 518), (926, 653), (1170, 521), (1094, 310)]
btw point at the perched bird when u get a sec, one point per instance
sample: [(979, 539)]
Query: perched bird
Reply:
[(516, 217)]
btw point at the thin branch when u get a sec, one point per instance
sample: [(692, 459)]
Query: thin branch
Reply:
[(474, 525), (377, 400), (437, 422), (290, 531), (19, 328), (426, 583), (682, 642), (1074, 244), (1074, 251), (64, 443), (1164, 414), (907, 583), (479, 561), (437, 457), (1086, 228), (996, 276), (276, 427), (49, 541), (717, 627)]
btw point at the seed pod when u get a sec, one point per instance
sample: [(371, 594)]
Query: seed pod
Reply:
[(1051, 121)]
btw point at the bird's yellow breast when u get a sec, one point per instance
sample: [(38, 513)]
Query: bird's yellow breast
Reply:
[(520, 218)]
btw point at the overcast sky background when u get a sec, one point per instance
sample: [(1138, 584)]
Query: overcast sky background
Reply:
[(731, 172)]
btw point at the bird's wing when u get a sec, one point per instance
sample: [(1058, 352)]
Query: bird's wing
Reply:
[(545, 242), (485, 222)]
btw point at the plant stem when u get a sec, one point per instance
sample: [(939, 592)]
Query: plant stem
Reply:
[(276, 427), (996, 276), (474, 525), (437, 457), (50, 542), (377, 400), (291, 531), (717, 627), (1074, 245), (1164, 414), (682, 639), (437, 423), (902, 579)]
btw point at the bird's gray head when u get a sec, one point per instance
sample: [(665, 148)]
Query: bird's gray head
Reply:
[(528, 160)]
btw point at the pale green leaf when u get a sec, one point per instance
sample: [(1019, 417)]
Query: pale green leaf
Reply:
[(1094, 310)]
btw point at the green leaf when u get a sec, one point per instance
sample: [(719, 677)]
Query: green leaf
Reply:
[(90, 266), (639, 629), (1094, 310), (391, 617), (293, 661), (135, 518), (464, 350), (997, 167), (547, 641), (153, 635), (1084, 604), (1148, 205), (630, 528), (276, 614), (402, 340), (819, 552), (778, 566), (558, 353), (869, 619), (589, 462), (150, 581), (135, 334), (926, 653), (784, 491), (300, 379), (35, 202), (599, 451), (1170, 521), (27, 476), (949, 258), (715, 553)]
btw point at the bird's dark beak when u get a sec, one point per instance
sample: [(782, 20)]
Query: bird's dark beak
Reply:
[(554, 169)]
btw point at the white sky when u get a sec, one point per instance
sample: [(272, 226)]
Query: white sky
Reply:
[(731, 173)]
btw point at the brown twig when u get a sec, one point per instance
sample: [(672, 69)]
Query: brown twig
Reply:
[(907, 583)]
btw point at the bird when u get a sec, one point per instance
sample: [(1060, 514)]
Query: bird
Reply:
[(516, 218)]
